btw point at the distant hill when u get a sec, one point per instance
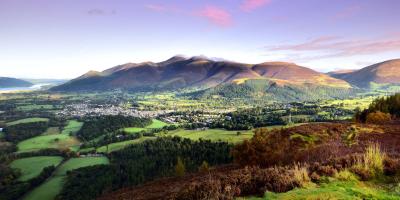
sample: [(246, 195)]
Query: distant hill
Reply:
[(196, 72), (6, 82), (383, 73)]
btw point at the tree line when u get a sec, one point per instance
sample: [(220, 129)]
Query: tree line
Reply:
[(143, 162)]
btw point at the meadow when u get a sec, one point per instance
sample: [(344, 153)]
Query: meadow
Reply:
[(27, 120), (213, 134), (156, 124), (31, 107), (32, 166), (49, 189), (53, 139), (116, 146)]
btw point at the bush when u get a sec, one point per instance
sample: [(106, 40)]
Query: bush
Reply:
[(204, 167), (180, 167), (371, 164), (378, 118), (301, 175)]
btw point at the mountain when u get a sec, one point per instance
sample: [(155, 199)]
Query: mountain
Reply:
[(196, 72), (384, 73), (6, 82)]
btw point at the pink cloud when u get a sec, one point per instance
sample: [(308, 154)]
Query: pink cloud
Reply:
[(250, 5), (331, 46), (156, 7), (347, 12), (216, 15)]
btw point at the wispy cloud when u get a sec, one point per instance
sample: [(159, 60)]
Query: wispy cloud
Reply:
[(347, 12), (156, 7), (101, 12), (250, 5), (216, 15), (332, 46)]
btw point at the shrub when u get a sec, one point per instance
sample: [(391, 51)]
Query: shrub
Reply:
[(378, 118), (204, 167), (301, 175), (371, 164), (180, 167)]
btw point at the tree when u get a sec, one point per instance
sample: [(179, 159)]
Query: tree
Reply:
[(180, 167)]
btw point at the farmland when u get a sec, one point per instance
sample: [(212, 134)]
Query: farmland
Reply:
[(27, 120), (32, 166), (62, 140), (49, 189), (156, 124)]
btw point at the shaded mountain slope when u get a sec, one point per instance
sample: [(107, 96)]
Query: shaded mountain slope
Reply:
[(196, 72), (6, 82)]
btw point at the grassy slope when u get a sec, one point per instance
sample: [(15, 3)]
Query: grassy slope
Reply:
[(27, 120), (31, 167), (49, 189), (155, 124), (119, 145), (59, 141), (334, 190)]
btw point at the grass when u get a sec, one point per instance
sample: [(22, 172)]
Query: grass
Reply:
[(52, 187), (346, 190), (35, 107), (75, 163), (155, 124), (117, 146), (64, 140), (213, 134), (52, 131), (33, 166), (48, 190), (72, 127), (27, 120), (57, 141)]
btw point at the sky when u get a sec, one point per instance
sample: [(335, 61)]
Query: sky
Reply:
[(66, 38)]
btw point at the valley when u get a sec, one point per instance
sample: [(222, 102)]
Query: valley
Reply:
[(124, 141)]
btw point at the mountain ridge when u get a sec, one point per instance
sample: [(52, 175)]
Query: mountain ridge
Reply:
[(180, 72), (8, 82)]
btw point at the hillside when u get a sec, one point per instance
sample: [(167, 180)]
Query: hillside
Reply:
[(6, 82), (196, 72), (386, 72)]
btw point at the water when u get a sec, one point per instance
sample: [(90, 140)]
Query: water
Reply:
[(33, 87)]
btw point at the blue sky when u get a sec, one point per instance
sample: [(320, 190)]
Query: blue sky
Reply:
[(66, 38)]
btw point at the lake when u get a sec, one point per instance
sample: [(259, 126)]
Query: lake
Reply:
[(33, 87)]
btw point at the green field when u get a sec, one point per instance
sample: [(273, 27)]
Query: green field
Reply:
[(75, 163), (57, 141), (52, 131), (72, 127), (33, 166), (120, 145), (49, 189), (64, 140), (213, 134), (155, 124), (27, 120), (35, 107)]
